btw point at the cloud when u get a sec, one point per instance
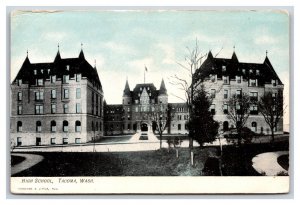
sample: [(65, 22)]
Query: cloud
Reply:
[(118, 47), (169, 53), (55, 36), (266, 40)]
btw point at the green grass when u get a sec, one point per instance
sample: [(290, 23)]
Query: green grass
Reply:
[(146, 163)]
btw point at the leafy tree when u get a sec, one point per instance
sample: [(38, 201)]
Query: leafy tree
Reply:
[(202, 127), (238, 112), (270, 106)]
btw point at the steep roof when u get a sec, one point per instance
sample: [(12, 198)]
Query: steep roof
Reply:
[(127, 91), (162, 89), (59, 68), (149, 87), (232, 67)]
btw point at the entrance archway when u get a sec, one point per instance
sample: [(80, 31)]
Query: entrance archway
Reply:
[(144, 127)]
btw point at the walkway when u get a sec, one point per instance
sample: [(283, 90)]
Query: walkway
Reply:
[(267, 163), (30, 160)]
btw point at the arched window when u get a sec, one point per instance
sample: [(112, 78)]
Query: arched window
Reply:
[(225, 126), (38, 126), (77, 126), (65, 126), (19, 126), (53, 126), (254, 126)]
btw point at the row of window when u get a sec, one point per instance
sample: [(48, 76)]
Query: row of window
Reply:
[(39, 95), (65, 127), (252, 95), (254, 127), (253, 109), (251, 71), (239, 79), (39, 109), (52, 141), (40, 81)]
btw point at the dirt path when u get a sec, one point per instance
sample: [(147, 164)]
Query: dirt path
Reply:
[(267, 163), (30, 160)]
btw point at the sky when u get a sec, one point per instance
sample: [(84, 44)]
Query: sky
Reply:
[(123, 43)]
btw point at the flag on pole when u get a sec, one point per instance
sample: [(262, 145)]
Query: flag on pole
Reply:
[(146, 69)]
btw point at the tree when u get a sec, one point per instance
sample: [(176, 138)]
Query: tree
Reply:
[(270, 106), (193, 62), (201, 124), (238, 112), (160, 121)]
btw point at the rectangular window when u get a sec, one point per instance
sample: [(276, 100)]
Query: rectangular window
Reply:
[(223, 68), (39, 109), (225, 94), (40, 82), (53, 108), (253, 82), (53, 94), (19, 82), (53, 128), (78, 93), (244, 71), (226, 79), (253, 110), (213, 93), (213, 109), (65, 78), (66, 108), (65, 140), (19, 110), (53, 78), (39, 95), (19, 96), (78, 108), (253, 96), (52, 141), (66, 93), (34, 71), (238, 79), (225, 109), (238, 93), (179, 126), (78, 77), (19, 141), (67, 67), (257, 72), (274, 95), (213, 78), (77, 140), (42, 71)]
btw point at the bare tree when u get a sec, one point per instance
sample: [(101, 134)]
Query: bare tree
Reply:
[(160, 120), (271, 106), (192, 62), (238, 112)]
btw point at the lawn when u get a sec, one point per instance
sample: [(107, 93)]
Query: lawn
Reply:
[(146, 163)]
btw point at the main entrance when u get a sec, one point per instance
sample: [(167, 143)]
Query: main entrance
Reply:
[(144, 127)]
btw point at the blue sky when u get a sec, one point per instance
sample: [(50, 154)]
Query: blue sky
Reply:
[(123, 42)]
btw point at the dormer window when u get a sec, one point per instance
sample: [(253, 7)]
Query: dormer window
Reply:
[(250, 71), (53, 78), (42, 70), (141, 88), (213, 78), (274, 83), (238, 79), (40, 82), (244, 71), (68, 67), (48, 71), (34, 71), (78, 77), (253, 82), (148, 88), (257, 72), (226, 79), (19, 82), (223, 68), (65, 78)]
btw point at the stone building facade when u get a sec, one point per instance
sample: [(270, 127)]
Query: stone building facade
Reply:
[(60, 102), (224, 77), (141, 107)]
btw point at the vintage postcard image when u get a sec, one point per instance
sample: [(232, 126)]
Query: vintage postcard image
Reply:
[(149, 101)]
